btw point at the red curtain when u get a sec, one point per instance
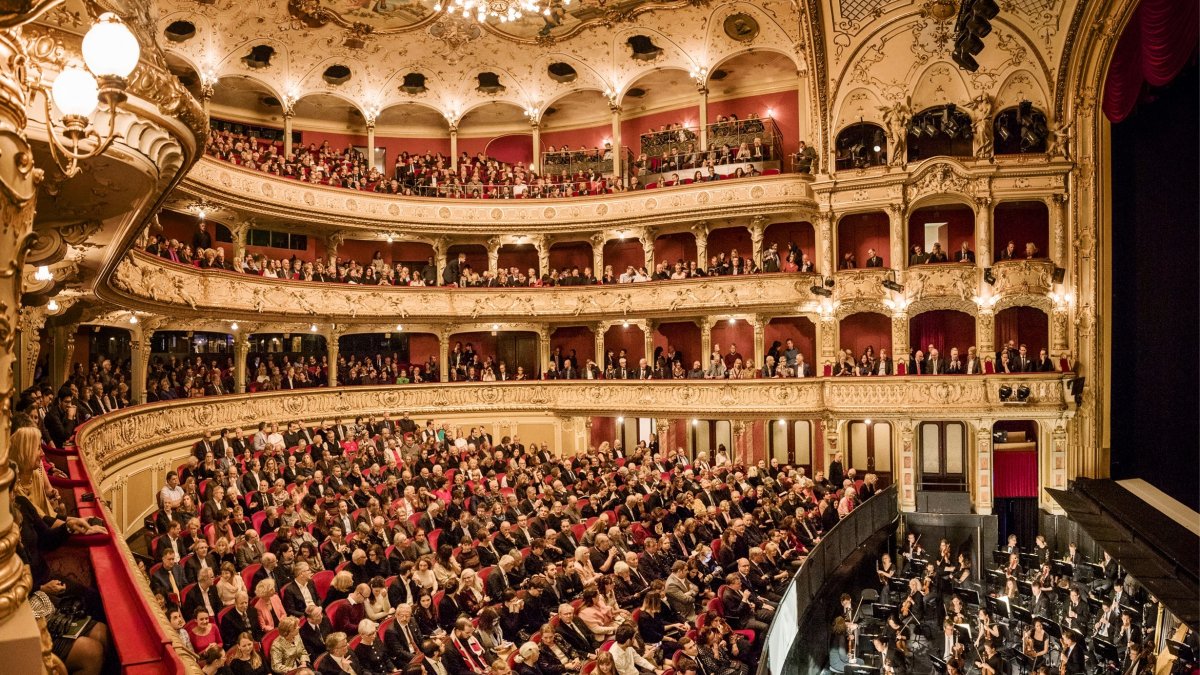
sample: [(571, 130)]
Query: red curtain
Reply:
[(1027, 325), (1015, 473), (1156, 45), (942, 328)]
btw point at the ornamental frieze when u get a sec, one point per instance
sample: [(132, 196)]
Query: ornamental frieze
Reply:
[(1024, 277)]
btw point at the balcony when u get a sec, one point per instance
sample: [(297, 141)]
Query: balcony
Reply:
[(1023, 277)]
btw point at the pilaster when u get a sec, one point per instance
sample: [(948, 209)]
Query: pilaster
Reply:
[(543, 347), (444, 354), (493, 252), (900, 342), (331, 356), (824, 244), (895, 214), (598, 331), (983, 232), (597, 241), (706, 326), (908, 466), (1057, 205), (647, 239), (139, 354), (760, 328), (985, 468), (241, 351)]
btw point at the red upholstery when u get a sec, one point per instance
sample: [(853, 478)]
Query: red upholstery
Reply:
[(827, 371), (322, 580), (901, 368), (335, 608), (248, 574)]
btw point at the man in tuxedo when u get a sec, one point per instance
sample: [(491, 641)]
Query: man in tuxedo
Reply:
[(202, 596), (1072, 653), (917, 364), (402, 639), (314, 630), (964, 254), (574, 631), (301, 593), (200, 560), (241, 619), (955, 365), (271, 568), (644, 371), (1024, 364), (623, 371), (873, 259)]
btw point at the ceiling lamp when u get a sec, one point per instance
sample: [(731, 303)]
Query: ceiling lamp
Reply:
[(503, 11)]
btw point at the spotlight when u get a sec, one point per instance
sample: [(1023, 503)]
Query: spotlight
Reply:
[(828, 282), (823, 292), (52, 306), (695, 422), (989, 277), (892, 286), (1006, 392), (1000, 436), (399, 328), (233, 326), (876, 148), (1023, 393), (1002, 129)]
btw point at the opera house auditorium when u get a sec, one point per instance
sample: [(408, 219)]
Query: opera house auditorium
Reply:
[(599, 337)]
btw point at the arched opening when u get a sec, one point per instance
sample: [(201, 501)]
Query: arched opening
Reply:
[(522, 257), (737, 115), (940, 131), (733, 340), (473, 353), (859, 146), (1015, 478), (620, 254), (797, 237), (1025, 225), (937, 233), (415, 255), (374, 358), (933, 334), (673, 129), (868, 330), (491, 120), (273, 357), (173, 353), (411, 129), (624, 340), (677, 341), (723, 242), (1028, 326), (1020, 129), (802, 334), (863, 240), (566, 255), (677, 248), (577, 343)]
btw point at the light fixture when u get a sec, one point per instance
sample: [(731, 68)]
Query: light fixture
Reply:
[(110, 53), (399, 328), (866, 421), (782, 422), (821, 291), (52, 306), (389, 237), (233, 326), (43, 273), (133, 319), (876, 148), (620, 420), (495, 326), (695, 422), (1023, 393), (770, 113), (312, 328), (732, 320), (624, 324), (892, 286)]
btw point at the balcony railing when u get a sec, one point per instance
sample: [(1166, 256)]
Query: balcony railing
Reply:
[(752, 140), (559, 166)]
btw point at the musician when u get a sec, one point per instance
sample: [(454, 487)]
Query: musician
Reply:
[(913, 605), (951, 647), (1105, 621), (1076, 612), (1071, 661), (1044, 578), (956, 612), (885, 570), (1013, 568), (1126, 635), (911, 549), (839, 646), (989, 630), (1041, 549), (892, 659), (1109, 566), (992, 663), (945, 562), (1135, 660), (1011, 546), (1036, 642), (1040, 604)]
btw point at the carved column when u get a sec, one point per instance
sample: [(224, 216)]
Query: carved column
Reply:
[(288, 114), (617, 154), (648, 328), (823, 233), (439, 258), (206, 94), (705, 324), (757, 227), (908, 467), (493, 250), (647, 238), (598, 254), (702, 88), (983, 232), (598, 335), (331, 355), (701, 231), (741, 435), (985, 468), (1060, 321), (900, 336), (371, 141), (454, 147), (543, 347), (1057, 467), (1057, 205), (542, 246), (829, 434), (897, 239), (62, 351), (662, 427), (20, 637), (241, 352), (536, 162), (760, 349), (827, 339), (444, 355), (31, 321), (139, 355), (985, 332)]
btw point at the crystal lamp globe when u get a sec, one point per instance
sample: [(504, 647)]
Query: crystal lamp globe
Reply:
[(109, 48), (74, 92)]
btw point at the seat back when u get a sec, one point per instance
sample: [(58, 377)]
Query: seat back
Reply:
[(267, 640), (248, 575), (322, 580)]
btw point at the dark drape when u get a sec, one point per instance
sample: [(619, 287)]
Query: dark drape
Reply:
[(1157, 43), (1019, 516), (942, 328), (1023, 325)]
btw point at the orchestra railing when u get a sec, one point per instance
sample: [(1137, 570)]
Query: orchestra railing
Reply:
[(560, 165), (789, 647)]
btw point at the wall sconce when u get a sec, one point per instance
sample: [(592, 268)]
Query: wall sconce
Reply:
[(1061, 299), (312, 328), (43, 273), (52, 306), (700, 75), (233, 326), (110, 52)]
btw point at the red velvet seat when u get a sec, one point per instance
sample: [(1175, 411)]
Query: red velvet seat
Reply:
[(248, 575)]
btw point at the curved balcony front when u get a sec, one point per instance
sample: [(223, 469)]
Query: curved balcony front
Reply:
[(268, 198)]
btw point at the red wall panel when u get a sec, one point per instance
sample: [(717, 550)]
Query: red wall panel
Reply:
[(960, 221), (1023, 325), (572, 254), (859, 232), (866, 329), (631, 339), (1021, 222), (578, 338), (422, 346), (603, 429), (675, 247), (684, 336), (513, 148), (726, 239), (783, 105), (588, 137), (740, 333), (477, 256), (801, 331), (942, 328), (483, 342), (800, 234), (524, 257), (622, 253)]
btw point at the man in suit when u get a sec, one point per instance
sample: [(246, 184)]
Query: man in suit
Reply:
[(202, 596), (574, 631), (200, 560), (1024, 364), (453, 270), (169, 578), (681, 593), (241, 619), (498, 581), (314, 630), (917, 364), (271, 568), (965, 254), (402, 639), (935, 365), (873, 259), (1072, 653), (740, 610), (301, 593), (61, 419)]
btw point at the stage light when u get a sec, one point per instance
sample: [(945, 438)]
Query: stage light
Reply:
[(828, 282), (1023, 393), (1006, 392), (823, 292), (989, 277), (892, 285)]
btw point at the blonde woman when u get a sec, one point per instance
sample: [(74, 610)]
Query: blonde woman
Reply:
[(32, 482), (230, 584), (269, 606), (288, 652), (246, 658)]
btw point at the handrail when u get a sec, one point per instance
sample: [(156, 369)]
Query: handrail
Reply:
[(806, 585)]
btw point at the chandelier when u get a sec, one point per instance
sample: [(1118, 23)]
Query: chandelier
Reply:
[(503, 11)]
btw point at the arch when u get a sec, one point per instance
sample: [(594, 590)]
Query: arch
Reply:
[(1021, 85), (945, 224), (939, 83), (798, 234), (1022, 128), (252, 78), (858, 233), (940, 131), (944, 329), (511, 148), (354, 106), (1023, 324), (859, 330), (771, 32), (860, 145), (643, 75), (227, 65), (859, 104), (801, 329)]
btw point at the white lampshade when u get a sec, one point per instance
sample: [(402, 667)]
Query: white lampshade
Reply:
[(109, 48), (74, 91)]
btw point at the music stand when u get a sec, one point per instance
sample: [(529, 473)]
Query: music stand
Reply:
[(963, 633), (1023, 661), (1025, 588), (999, 607), (861, 669), (1021, 614), (969, 596), (996, 577), (1030, 561), (1097, 571), (882, 611), (898, 585), (1051, 627), (1105, 651), (939, 666), (1063, 569), (1181, 651), (1135, 614), (1000, 558)]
